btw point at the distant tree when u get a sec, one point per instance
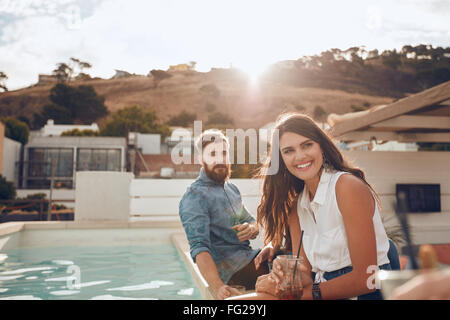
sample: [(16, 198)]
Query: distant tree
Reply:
[(7, 189), (192, 65), (391, 59), (87, 105), (63, 72), (134, 119), (80, 65), (60, 114), (3, 78), (16, 130), (183, 119), (373, 54), (66, 72), (319, 114), (74, 104)]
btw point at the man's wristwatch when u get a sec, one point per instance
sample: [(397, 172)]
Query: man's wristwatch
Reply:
[(316, 294)]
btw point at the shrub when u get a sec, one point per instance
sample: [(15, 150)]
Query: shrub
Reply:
[(7, 189)]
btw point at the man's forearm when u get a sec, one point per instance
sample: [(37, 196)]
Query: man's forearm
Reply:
[(208, 270)]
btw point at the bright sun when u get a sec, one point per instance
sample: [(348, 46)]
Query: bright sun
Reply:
[(254, 71)]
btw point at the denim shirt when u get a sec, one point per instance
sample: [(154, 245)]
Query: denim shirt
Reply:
[(208, 210)]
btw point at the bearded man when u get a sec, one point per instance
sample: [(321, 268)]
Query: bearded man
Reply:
[(217, 224)]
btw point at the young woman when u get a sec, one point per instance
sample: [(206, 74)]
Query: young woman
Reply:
[(316, 190)]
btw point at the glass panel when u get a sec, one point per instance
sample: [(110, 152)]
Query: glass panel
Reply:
[(113, 160), (84, 159), (99, 158), (36, 166), (65, 164), (49, 156), (38, 184)]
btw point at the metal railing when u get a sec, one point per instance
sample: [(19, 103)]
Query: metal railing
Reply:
[(45, 208)]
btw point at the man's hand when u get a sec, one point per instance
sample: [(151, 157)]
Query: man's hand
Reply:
[(225, 291), (246, 231)]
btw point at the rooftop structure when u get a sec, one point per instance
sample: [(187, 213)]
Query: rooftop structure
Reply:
[(52, 129)]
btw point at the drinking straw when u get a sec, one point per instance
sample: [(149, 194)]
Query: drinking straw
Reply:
[(298, 254), (400, 209)]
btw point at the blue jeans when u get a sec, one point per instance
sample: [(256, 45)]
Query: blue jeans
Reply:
[(376, 295), (393, 265), (393, 256)]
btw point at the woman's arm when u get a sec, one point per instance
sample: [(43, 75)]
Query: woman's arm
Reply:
[(357, 206)]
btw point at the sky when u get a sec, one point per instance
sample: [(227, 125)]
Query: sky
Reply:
[(141, 35)]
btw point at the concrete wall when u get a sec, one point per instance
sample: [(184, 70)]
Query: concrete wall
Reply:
[(385, 169), (102, 195), (160, 197), (150, 143), (11, 154)]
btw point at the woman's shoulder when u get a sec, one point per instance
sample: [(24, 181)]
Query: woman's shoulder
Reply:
[(349, 188), (346, 181)]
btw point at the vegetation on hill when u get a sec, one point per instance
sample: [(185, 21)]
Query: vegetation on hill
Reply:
[(72, 105), (390, 73), (16, 130), (7, 189), (336, 80), (3, 78), (74, 69), (134, 119)]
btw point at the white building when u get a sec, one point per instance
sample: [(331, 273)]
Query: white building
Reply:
[(147, 143)]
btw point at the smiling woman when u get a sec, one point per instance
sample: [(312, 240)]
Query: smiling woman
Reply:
[(318, 194)]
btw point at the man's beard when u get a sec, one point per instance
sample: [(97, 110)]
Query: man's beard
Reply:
[(221, 176)]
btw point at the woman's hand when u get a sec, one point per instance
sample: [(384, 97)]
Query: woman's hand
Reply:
[(278, 275), (267, 253), (267, 284)]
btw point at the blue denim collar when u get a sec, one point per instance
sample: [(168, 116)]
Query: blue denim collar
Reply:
[(203, 177)]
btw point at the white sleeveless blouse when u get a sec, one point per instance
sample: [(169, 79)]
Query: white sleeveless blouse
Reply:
[(325, 241)]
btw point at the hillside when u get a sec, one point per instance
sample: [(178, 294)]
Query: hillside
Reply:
[(225, 90), (335, 81)]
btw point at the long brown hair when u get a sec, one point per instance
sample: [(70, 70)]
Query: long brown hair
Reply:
[(282, 188)]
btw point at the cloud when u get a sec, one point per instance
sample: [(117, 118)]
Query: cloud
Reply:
[(138, 36)]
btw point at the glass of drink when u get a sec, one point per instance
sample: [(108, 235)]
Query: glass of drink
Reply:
[(291, 287)]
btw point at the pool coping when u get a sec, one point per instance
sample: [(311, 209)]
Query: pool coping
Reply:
[(177, 237), (181, 243), (7, 228)]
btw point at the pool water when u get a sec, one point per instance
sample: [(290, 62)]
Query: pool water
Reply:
[(151, 271)]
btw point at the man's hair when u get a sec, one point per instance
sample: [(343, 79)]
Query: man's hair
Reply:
[(210, 136)]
